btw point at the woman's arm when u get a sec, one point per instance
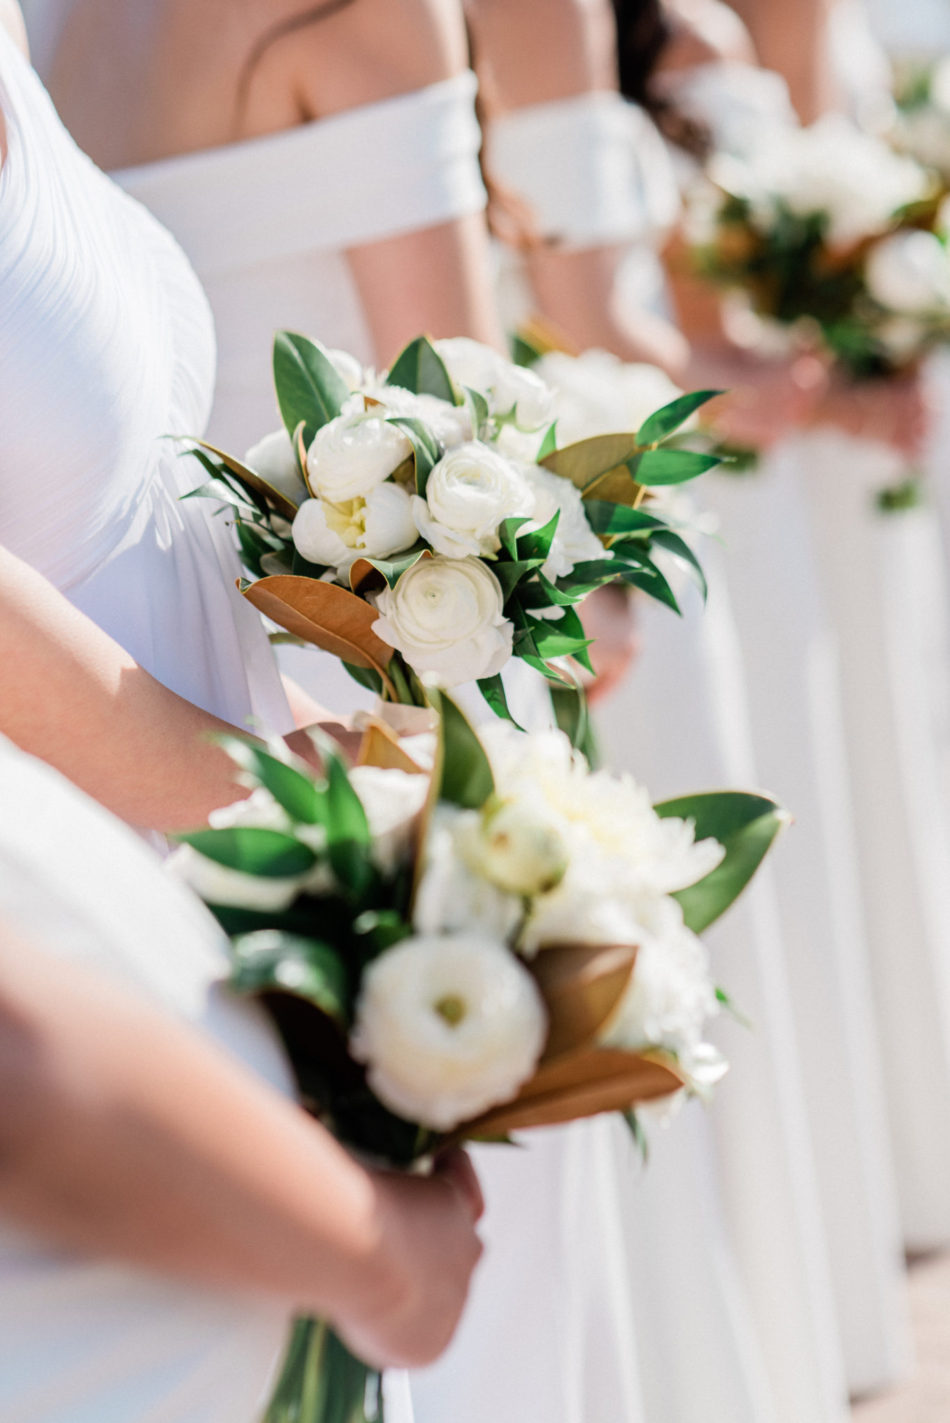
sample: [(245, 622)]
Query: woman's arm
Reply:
[(124, 1134)]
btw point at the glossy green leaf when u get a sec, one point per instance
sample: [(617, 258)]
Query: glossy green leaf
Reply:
[(262, 494), (549, 443), (657, 467), (536, 543), (508, 531), (271, 960), (348, 835), (310, 390), (493, 690), (745, 825), (426, 451), (293, 787), (366, 677), (671, 417), (679, 548), (511, 573), (611, 519), (421, 369), (253, 849), (466, 773), (523, 351)]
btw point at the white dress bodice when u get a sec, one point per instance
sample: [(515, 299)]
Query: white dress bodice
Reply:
[(85, 1340), (107, 351)]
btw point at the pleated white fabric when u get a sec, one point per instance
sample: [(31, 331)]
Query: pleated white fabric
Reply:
[(107, 349), (82, 1340)]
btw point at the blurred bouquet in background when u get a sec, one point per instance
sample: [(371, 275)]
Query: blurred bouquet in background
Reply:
[(828, 240), (921, 127), (463, 936), (433, 521)]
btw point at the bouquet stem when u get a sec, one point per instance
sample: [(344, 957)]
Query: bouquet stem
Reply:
[(322, 1382)]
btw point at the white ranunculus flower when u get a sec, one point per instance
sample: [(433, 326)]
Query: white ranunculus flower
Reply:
[(337, 534), (451, 895), (468, 494), (218, 884), (909, 272), (448, 1026), (392, 800), (353, 454), (450, 424), (574, 540), (511, 391), (519, 846), (671, 994), (445, 615), (273, 459)]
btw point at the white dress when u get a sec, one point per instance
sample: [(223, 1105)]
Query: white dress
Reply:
[(84, 1340), (107, 349)]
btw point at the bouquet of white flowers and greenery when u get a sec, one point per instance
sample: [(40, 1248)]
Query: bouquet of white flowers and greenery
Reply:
[(829, 235), (921, 126), (430, 520), (481, 937)]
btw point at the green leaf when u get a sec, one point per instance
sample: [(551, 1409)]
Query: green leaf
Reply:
[(612, 519), (271, 960), (671, 417), (366, 677), (536, 543), (253, 849), (291, 786), (477, 407), (426, 451), (648, 578), (572, 714), (678, 546), (466, 772), (493, 690), (512, 572), (552, 639), (508, 534), (745, 825), (671, 466), (310, 390), (523, 351), (421, 369), (348, 835), (549, 443)]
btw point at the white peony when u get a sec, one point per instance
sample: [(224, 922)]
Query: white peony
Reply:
[(448, 1026), (512, 392), (671, 994), (450, 894), (468, 494), (909, 272), (445, 615), (519, 846), (376, 526), (598, 394), (574, 540), (274, 460), (450, 424), (392, 800), (352, 454)]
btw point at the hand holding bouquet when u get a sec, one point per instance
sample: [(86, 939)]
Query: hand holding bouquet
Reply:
[(498, 940), (429, 523)]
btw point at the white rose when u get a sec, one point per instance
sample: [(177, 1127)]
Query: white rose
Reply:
[(273, 459), (519, 846), (671, 994), (218, 884), (909, 272), (511, 391), (352, 454), (447, 1026), (337, 534), (445, 615), (450, 424), (392, 800), (450, 895), (574, 540), (468, 494)]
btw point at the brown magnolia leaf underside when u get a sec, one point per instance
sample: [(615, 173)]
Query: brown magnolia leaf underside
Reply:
[(580, 1084), (581, 985), (284, 506), (326, 615), (598, 467), (380, 747), (545, 335)]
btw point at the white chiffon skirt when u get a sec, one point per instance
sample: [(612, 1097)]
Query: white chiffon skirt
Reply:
[(884, 578), (680, 724), (790, 654)]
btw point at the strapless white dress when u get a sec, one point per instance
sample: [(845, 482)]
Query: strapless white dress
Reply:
[(107, 349), (85, 1340)]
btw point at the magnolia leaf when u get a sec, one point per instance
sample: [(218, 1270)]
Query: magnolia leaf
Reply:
[(549, 443), (326, 615), (310, 389), (508, 533), (493, 690), (581, 1084), (465, 776), (657, 467), (572, 715), (512, 572), (523, 350), (299, 442), (745, 825), (671, 417), (582, 985), (536, 543), (271, 960), (291, 785), (426, 451), (348, 834), (253, 849), (366, 677), (610, 519), (587, 463), (421, 369), (253, 481), (380, 747), (648, 578), (680, 549), (369, 572)]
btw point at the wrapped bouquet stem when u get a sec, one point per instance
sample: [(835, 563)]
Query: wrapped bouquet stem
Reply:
[(478, 938)]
